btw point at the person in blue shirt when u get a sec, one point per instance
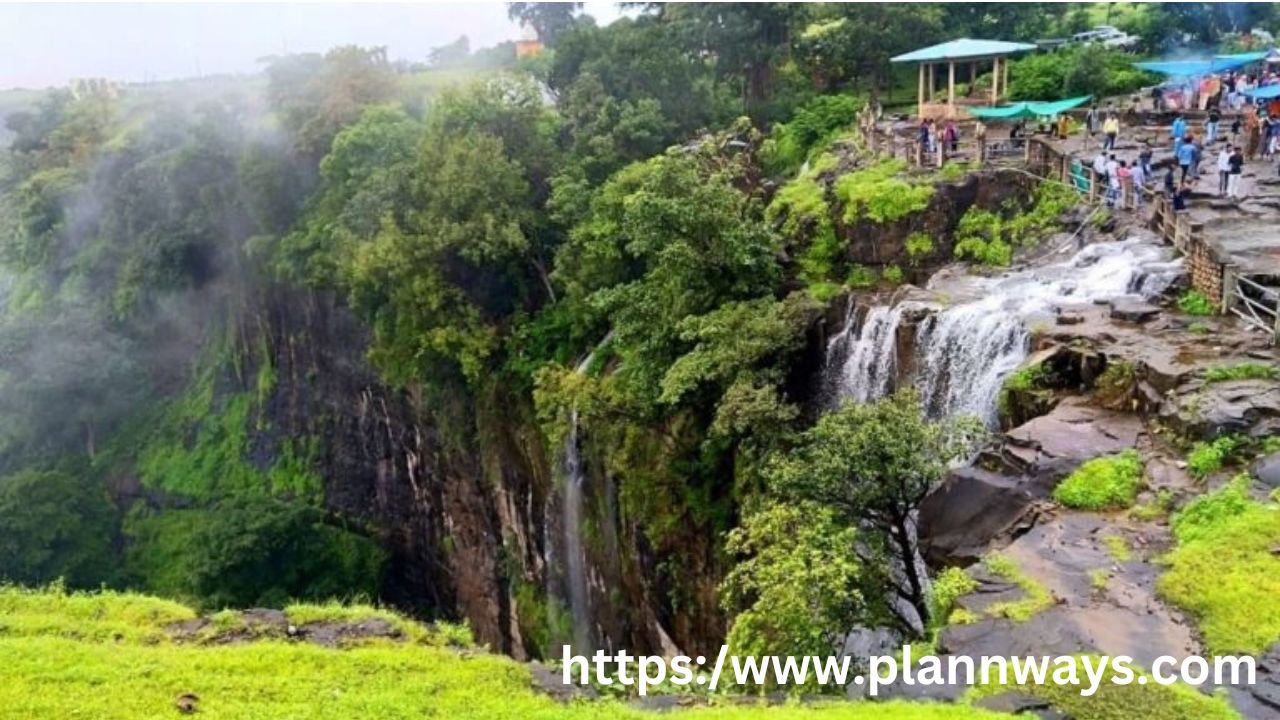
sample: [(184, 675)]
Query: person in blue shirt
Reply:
[(1179, 131), (1186, 156)]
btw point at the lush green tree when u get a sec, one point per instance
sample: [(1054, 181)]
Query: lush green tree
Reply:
[(666, 240), (55, 525), (454, 53), (252, 553), (315, 96), (548, 18), (797, 587), (873, 464), (854, 42)]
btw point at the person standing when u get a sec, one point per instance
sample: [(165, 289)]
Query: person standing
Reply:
[(1197, 153), (1138, 182), (1237, 170), (1224, 169), (1091, 120), (1186, 154), (1111, 129), (1100, 170), (1126, 183), (1064, 126), (1179, 131), (1235, 130), (951, 136), (1144, 160), (1211, 128)]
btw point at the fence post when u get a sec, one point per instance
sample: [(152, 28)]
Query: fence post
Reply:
[(1228, 288)]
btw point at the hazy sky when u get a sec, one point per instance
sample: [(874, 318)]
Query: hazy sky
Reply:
[(47, 44)]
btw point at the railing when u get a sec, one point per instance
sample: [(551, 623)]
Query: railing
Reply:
[(1248, 300)]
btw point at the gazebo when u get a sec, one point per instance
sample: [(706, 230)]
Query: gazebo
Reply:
[(967, 51)]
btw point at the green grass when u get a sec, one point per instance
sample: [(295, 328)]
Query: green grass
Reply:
[(107, 656), (1105, 483), (1223, 572), (1037, 598), (1149, 701), (1242, 371)]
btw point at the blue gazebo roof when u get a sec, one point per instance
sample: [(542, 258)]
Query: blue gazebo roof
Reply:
[(963, 49)]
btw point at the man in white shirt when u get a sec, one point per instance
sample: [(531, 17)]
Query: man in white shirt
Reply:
[(1224, 170), (1138, 178), (1100, 170)]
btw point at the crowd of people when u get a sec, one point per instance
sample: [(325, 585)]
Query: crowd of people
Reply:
[(1253, 133)]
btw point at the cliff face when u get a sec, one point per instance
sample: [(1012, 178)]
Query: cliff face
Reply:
[(464, 498)]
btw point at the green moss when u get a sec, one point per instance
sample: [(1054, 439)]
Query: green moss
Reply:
[(1028, 379), (1114, 387), (1105, 483), (1118, 547), (1194, 302), (893, 275), (823, 291), (878, 193), (1242, 371), (1223, 570), (1098, 578), (1037, 598)]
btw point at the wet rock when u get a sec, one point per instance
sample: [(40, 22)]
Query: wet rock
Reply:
[(1238, 406), (1070, 319), (1261, 699), (1133, 311), (1267, 470), (1072, 433), (970, 509)]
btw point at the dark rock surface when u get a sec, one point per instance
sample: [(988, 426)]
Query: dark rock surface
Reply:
[(1206, 410)]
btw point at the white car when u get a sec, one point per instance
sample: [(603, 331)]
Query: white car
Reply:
[(1106, 35)]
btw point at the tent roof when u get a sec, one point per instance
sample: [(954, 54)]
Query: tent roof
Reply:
[(1032, 108), (1266, 92), (1247, 57), (963, 49), (1192, 68)]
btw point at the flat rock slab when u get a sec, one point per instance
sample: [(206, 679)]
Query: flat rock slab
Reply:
[(1070, 434), (1133, 311), (1062, 553)]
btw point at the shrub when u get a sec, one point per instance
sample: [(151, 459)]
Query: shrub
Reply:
[(918, 245), (1103, 483), (811, 127), (948, 587), (989, 237), (877, 193), (861, 277), (893, 275), (1194, 302), (1207, 458)]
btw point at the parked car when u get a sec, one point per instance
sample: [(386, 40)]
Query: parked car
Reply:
[(1108, 36)]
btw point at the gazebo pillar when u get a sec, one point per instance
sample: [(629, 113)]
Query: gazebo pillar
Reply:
[(951, 87), (995, 80), (931, 82), (920, 102), (1004, 83)]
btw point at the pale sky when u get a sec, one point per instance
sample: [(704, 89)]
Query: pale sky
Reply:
[(44, 44)]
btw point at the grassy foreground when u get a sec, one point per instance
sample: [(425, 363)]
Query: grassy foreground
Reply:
[(111, 656)]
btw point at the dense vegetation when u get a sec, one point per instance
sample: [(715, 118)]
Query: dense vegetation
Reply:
[(636, 193)]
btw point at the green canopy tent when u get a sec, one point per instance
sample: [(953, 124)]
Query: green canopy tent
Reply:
[(1029, 109)]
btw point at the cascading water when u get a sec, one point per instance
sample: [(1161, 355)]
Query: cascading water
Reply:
[(575, 560), (964, 350), (575, 557)]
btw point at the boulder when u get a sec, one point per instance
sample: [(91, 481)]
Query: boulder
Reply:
[(1267, 470)]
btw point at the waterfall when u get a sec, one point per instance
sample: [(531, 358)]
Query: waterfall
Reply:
[(575, 556), (963, 351), (575, 562)]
